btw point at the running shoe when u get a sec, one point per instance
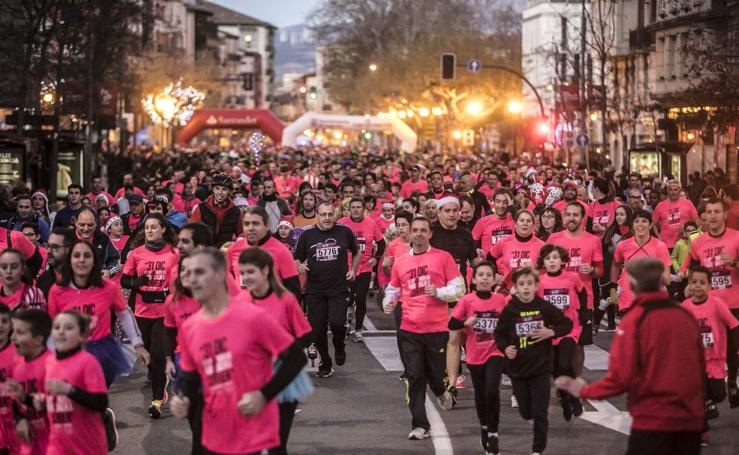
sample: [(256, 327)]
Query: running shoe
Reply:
[(611, 328), (576, 406), (155, 410), (711, 410), (505, 381), (446, 400), (418, 434), (566, 407), (357, 337), (704, 439), (460, 382), (733, 396), (325, 373), (492, 445), (111, 432), (514, 401), (340, 355)]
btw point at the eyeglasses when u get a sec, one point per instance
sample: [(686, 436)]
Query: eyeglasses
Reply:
[(55, 246)]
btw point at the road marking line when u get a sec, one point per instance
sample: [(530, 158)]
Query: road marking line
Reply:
[(607, 415), (369, 325), (385, 350), (596, 359), (439, 435)]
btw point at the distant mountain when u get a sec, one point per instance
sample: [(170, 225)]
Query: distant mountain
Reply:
[(295, 50)]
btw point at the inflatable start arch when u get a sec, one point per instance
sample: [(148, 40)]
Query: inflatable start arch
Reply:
[(312, 120), (235, 119)]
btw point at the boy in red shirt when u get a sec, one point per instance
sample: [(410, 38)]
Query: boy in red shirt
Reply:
[(716, 324), (31, 329)]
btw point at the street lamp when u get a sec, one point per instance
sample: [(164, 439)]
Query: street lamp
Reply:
[(423, 111), (173, 105), (474, 108), (515, 107), (372, 67), (457, 135)]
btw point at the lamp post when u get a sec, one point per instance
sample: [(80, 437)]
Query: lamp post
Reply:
[(515, 107), (173, 106)]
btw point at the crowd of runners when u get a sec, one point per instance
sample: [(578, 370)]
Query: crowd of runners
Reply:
[(223, 272)]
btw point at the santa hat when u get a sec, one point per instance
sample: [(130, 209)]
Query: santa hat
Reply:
[(286, 223)]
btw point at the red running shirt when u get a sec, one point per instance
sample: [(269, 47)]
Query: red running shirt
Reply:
[(561, 291), (284, 263), (714, 318), (707, 250), (177, 311), (490, 229), (603, 214), (233, 354), (412, 273), (161, 267), (31, 375), (511, 254), (367, 234), (583, 250), (671, 216), (75, 428), (97, 303), (628, 249), (480, 343), (8, 438), (285, 310)]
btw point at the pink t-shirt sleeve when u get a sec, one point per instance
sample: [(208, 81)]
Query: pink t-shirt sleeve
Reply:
[(270, 336), (299, 325), (727, 317), (288, 269), (117, 304), (477, 230), (187, 363), (459, 312), (93, 377), (20, 242), (129, 268), (169, 319), (52, 306), (394, 277), (618, 255)]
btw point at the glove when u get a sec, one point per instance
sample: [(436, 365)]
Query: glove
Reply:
[(143, 280)]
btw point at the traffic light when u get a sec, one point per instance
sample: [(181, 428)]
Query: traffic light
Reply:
[(313, 93), (448, 66)]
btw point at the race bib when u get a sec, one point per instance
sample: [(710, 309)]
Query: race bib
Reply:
[(721, 279), (707, 339), (524, 329), (361, 245), (561, 301), (500, 234), (486, 325)]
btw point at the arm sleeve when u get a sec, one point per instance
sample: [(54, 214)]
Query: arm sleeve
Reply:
[(502, 331), (292, 284), (170, 341), (300, 253), (453, 291), (621, 366), (293, 360), (455, 324), (380, 249), (91, 400), (128, 323), (582, 297)]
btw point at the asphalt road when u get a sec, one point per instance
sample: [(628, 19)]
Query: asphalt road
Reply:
[(360, 410)]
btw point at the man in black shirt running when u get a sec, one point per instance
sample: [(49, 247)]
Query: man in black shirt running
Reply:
[(322, 253)]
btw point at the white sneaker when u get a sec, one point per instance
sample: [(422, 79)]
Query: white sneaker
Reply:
[(357, 337), (514, 401), (505, 381), (418, 434), (445, 400)]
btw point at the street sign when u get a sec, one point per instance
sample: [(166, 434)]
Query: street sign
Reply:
[(473, 65), (582, 140), (468, 138)]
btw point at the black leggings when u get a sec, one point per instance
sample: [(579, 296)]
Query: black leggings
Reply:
[(153, 334), (564, 353), (533, 403), (287, 414), (359, 289), (486, 381)]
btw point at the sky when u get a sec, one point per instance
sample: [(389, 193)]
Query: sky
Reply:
[(281, 13)]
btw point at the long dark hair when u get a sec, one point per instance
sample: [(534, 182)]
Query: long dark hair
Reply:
[(613, 228), (542, 233), (169, 236), (177, 289), (95, 279), (260, 258), (25, 278)]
